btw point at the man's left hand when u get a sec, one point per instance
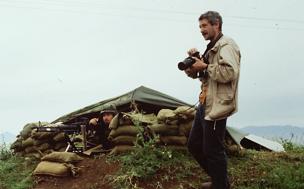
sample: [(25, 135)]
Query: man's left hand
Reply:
[(199, 65)]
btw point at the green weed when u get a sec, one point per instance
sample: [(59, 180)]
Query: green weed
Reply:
[(15, 172)]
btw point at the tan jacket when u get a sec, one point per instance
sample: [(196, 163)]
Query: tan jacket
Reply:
[(222, 82)]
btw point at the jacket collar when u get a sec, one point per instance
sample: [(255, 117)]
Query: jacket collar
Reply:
[(218, 42)]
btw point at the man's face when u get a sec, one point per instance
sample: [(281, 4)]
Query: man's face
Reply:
[(208, 31), (107, 118)]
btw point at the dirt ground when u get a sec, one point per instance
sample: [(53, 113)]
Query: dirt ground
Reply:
[(93, 172), (92, 176)]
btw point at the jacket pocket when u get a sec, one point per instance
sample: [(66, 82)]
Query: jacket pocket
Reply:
[(224, 91), (224, 103), (222, 109)]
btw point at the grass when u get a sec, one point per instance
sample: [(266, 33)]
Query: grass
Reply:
[(152, 166), (15, 172), (256, 169), (149, 166)]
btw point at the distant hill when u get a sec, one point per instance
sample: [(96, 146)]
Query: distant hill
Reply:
[(293, 133), (7, 138)]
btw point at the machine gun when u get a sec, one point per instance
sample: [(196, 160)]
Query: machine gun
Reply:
[(67, 129)]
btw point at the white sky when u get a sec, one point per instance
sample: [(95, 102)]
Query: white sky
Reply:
[(57, 56)]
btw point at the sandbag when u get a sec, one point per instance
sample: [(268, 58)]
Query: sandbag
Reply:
[(60, 145), (48, 151), (234, 150), (170, 140), (19, 153), (42, 135), (27, 129), (17, 145), (129, 130), (39, 142), (34, 155), (163, 129), (59, 137), (28, 142), (53, 169), (62, 157), (124, 120), (185, 112), (30, 149), (61, 149), (185, 128), (130, 140), (171, 122), (114, 122), (121, 149), (166, 114), (44, 147)]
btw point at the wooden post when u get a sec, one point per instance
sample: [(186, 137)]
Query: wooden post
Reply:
[(84, 136)]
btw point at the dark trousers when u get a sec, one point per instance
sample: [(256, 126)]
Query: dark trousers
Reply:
[(206, 144)]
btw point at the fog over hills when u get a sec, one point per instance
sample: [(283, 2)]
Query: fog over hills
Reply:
[(7, 138), (288, 132)]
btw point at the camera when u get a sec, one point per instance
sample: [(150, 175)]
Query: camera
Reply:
[(188, 62)]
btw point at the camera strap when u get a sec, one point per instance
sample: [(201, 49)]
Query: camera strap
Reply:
[(205, 56), (203, 74)]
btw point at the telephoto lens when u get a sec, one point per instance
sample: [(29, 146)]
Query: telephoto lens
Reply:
[(188, 62)]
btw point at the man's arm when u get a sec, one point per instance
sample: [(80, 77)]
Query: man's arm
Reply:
[(227, 69)]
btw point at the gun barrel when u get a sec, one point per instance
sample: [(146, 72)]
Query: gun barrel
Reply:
[(59, 128)]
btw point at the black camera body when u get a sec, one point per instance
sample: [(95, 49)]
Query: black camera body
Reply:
[(188, 62)]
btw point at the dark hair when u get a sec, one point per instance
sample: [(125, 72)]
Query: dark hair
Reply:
[(213, 17)]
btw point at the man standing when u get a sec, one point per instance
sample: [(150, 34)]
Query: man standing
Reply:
[(218, 69)]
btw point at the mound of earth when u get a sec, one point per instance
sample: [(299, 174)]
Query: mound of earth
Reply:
[(92, 175)]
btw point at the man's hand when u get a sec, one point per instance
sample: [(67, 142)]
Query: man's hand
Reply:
[(192, 51), (198, 66)]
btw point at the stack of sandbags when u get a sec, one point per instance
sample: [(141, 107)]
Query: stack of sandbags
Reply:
[(59, 164), (25, 144), (124, 138), (36, 144), (185, 115), (185, 112), (169, 135), (174, 126), (125, 127)]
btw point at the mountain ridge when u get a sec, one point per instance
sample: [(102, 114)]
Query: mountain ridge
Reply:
[(290, 133)]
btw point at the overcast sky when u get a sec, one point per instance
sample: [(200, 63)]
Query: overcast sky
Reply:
[(57, 56)]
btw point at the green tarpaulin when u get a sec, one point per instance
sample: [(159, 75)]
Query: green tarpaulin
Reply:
[(148, 100), (151, 101)]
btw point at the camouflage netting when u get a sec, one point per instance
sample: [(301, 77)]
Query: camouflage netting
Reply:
[(31, 143)]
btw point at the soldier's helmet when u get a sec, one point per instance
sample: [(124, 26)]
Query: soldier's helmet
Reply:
[(109, 109)]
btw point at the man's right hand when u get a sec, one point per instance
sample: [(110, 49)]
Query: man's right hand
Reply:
[(192, 51)]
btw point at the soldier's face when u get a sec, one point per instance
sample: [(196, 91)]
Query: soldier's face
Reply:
[(107, 118), (208, 31)]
